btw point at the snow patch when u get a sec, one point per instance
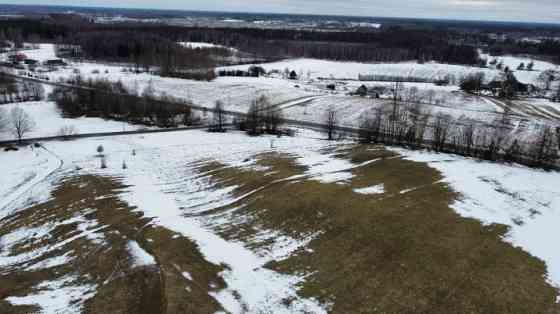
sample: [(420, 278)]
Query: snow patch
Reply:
[(139, 255), (376, 189), (57, 296)]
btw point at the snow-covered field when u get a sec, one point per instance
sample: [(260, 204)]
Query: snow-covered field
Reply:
[(48, 121), (314, 68)]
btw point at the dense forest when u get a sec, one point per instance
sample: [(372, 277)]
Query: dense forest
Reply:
[(158, 42)]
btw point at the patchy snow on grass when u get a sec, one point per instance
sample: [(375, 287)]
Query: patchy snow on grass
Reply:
[(57, 296), (140, 256), (326, 167), (163, 183), (527, 200), (51, 262), (10, 240), (376, 189), (260, 289)]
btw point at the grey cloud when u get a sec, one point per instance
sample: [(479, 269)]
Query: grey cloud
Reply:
[(510, 10)]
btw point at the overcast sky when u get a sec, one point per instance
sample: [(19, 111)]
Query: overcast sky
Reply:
[(503, 10)]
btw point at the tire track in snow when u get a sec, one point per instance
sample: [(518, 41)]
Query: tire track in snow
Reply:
[(23, 189)]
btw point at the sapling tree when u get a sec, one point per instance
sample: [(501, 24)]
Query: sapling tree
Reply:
[(331, 122)]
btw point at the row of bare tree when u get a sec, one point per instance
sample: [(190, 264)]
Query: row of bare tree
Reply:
[(416, 128), (12, 91), (261, 118)]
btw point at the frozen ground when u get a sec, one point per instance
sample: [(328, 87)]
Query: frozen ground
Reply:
[(526, 200)]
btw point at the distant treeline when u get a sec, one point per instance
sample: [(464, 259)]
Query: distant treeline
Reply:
[(392, 44), (112, 100), (123, 41), (547, 49)]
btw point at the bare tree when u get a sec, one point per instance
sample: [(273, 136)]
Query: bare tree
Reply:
[(468, 137), (430, 96), (219, 118), (440, 131), (544, 151), (473, 83), (3, 119), (422, 126), (67, 131), (558, 136), (21, 123), (330, 122), (272, 119), (544, 80), (513, 152), (396, 95), (255, 116)]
